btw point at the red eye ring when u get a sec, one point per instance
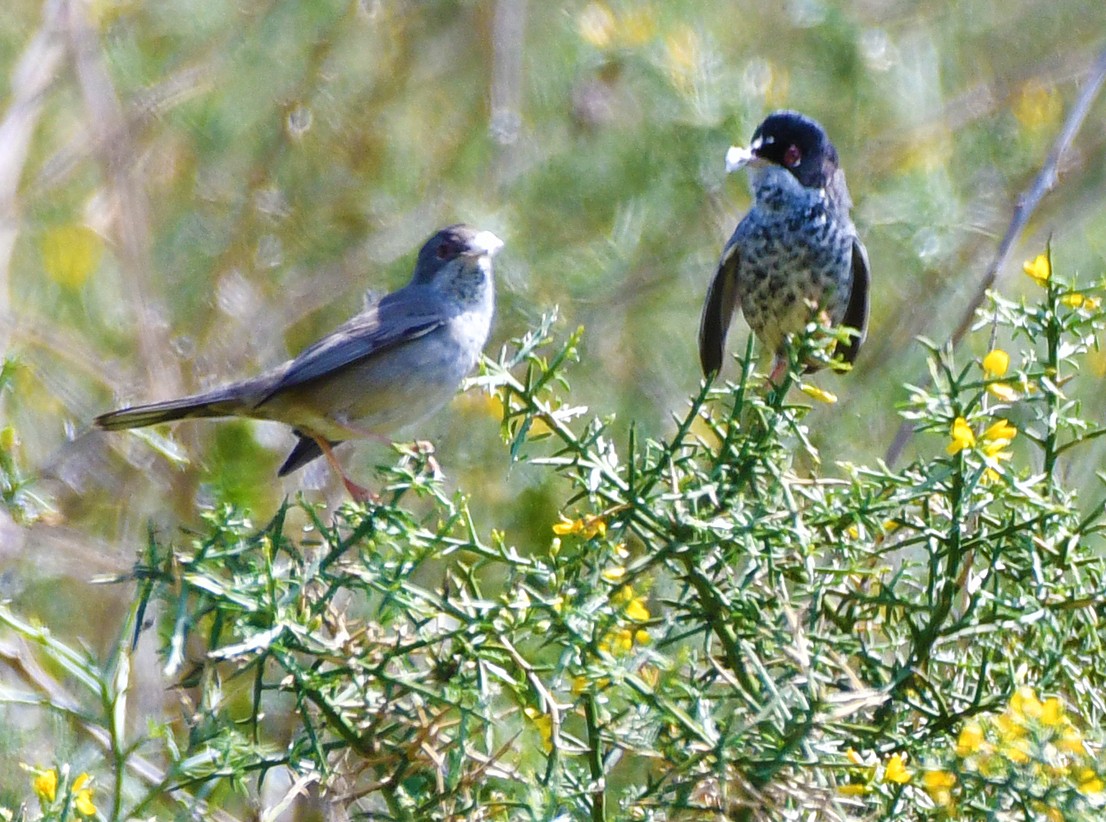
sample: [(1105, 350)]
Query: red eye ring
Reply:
[(792, 157)]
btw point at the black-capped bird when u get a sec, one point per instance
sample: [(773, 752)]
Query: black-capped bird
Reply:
[(795, 255)]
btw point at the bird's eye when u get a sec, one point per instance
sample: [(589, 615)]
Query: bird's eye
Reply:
[(792, 157), (447, 249)]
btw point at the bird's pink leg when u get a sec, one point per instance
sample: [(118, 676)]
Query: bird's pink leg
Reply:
[(779, 369), (356, 491)]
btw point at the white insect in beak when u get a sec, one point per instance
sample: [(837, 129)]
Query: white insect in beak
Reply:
[(487, 243), (739, 156)]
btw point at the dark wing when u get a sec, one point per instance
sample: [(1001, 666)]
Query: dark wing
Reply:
[(398, 318), (856, 315), (718, 310)]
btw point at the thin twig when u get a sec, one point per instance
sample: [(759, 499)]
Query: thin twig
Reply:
[(1044, 182)]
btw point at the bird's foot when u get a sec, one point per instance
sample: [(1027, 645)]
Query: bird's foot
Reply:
[(358, 492)]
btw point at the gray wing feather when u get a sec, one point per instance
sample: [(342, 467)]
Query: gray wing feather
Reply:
[(398, 318), (718, 310)]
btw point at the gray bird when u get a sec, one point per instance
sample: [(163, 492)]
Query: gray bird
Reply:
[(795, 255), (390, 366)]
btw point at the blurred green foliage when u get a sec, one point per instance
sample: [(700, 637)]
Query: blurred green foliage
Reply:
[(211, 186)]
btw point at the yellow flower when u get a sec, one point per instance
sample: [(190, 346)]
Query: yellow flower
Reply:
[(896, 770), (1071, 741), (995, 440), (1024, 702), (587, 526), (567, 526), (942, 780), (1052, 712), (995, 363), (1087, 781), (620, 641), (623, 640), (1001, 431), (939, 785), (962, 436), (636, 610), (970, 739), (854, 789), (1002, 392), (813, 391), (1039, 269), (1077, 300), (1009, 726), (1016, 750), (594, 525), (45, 785), (82, 795)]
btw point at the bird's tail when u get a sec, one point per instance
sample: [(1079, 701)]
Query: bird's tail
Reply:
[(305, 451), (219, 403)]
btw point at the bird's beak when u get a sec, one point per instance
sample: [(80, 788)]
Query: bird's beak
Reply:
[(739, 157), (486, 243)]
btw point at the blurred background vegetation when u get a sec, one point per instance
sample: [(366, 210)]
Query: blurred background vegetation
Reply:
[(193, 191)]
